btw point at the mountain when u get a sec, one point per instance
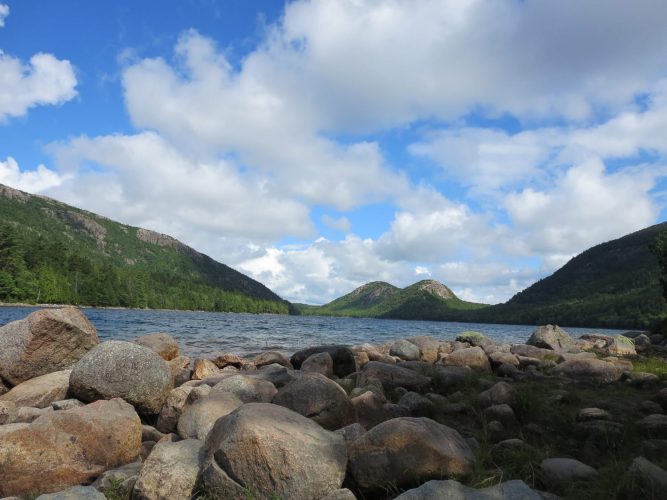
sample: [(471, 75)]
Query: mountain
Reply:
[(427, 299), (51, 252), (614, 284)]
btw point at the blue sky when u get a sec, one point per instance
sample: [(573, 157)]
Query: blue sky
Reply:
[(319, 145)]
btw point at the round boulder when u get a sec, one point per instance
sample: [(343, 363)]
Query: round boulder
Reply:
[(272, 451), (405, 350), (162, 343), (117, 369), (550, 337), (319, 362), (248, 389)]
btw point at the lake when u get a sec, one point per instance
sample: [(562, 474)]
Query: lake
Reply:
[(204, 333)]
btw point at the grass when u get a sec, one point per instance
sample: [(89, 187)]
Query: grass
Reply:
[(115, 490), (654, 365)]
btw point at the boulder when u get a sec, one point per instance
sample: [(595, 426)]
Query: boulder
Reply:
[(559, 473), (473, 357), (318, 398), (620, 346), (66, 404), (594, 370), (449, 378), (474, 339), (428, 348), (320, 362), (530, 351), (499, 358), (405, 350), (225, 359), (162, 344), (200, 414), (46, 341), (588, 414), (272, 451), (172, 408), (502, 413), (551, 337), (116, 369), (120, 480), (661, 398), (407, 450), (74, 493), (643, 479), (342, 356), (246, 388), (499, 393), (170, 472), (67, 448), (417, 405), (204, 368), (277, 374), (40, 392), (271, 357), (7, 412), (392, 376), (653, 426), (27, 414), (351, 432), (453, 490), (369, 409), (341, 494)]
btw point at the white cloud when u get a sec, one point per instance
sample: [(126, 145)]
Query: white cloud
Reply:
[(45, 80), (31, 181), (4, 12)]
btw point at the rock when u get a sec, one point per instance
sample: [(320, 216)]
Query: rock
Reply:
[(661, 398), (199, 415), (170, 471), (417, 405), (530, 351), (503, 413), (405, 350), (66, 404), (496, 431), (653, 426), (3, 388), (599, 435), (27, 414), (46, 341), (567, 356), (320, 362), (341, 494), (146, 448), (126, 475), (246, 388), (162, 344), (644, 479), (204, 368), (393, 376), (474, 339), (342, 356), (428, 348), (654, 448), (67, 448), (172, 408), (620, 346), (318, 398), (116, 369), (499, 393), (74, 493), (369, 410), (41, 391), (179, 365), (508, 449), (594, 370), (150, 433), (273, 452), (448, 378), (408, 450), (453, 490), (368, 383), (271, 357), (587, 414), (550, 337), (226, 359), (421, 367), (351, 432), (7, 412), (499, 358), (641, 379), (650, 408), (277, 374), (559, 473), (642, 342), (473, 357)]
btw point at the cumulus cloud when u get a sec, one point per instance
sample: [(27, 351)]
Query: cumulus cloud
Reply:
[(4, 12), (31, 181)]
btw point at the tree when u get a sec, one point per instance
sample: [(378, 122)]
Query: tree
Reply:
[(659, 249)]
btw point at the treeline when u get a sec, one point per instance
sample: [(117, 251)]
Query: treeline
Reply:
[(37, 269)]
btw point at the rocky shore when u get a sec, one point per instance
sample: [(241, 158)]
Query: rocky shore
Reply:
[(418, 418)]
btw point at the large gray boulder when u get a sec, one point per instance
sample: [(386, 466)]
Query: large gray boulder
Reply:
[(342, 356), (559, 473), (551, 337), (453, 490), (46, 341), (66, 448), (392, 376), (406, 451), (272, 451), (248, 389), (172, 408), (117, 369), (473, 357), (320, 362), (594, 370), (428, 348), (170, 471), (405, 350), (162, 344), (40, 392), (199, 415), (315, 396)]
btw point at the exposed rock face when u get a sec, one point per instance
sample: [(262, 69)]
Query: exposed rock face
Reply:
[(40, 392), (407, 450), (551, 337), (116, 369), (68, 447), (594, 370), (316, 397), (170, 471), (342, 356), (246, 388), (46, 341), (161, 343), (392, 376), (474, 357), (453, 490), (272, 451)]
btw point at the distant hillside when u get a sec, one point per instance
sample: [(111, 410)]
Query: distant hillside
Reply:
[(427, 300), (614, 284), (51, 252)]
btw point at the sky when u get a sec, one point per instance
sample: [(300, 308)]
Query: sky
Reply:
[(319, 145)]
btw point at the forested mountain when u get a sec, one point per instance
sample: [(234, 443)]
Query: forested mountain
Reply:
[(614, 284), (427, 299), (54, 253)]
